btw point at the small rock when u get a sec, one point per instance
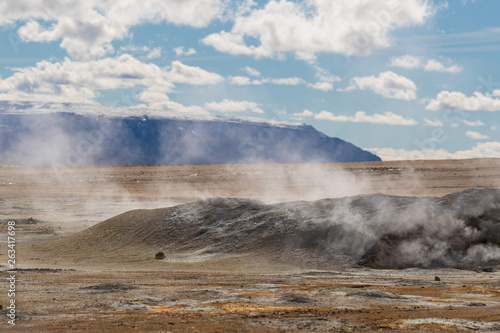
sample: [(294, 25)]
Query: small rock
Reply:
[(160, 255), (436, 278), (111, 287), (254, 315), (375, 294), (295, 299), (476, 304)]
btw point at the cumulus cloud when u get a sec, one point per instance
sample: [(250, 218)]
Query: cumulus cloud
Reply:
[(324, 86), (480, 150), (447, 100), (405, 61), (251, 71), (434, 123), (180, 73), (133, 49), (387, 118), (289, 81), (180, 51), (245, 81), (234, 106), (154, 53), (476, 135), (436, 66), (430, 65), (306, 28), (80, 81), (301, 115), (325, 78), (476, 123), (387, 84), (159, 100), (87, 28), (305, 113)]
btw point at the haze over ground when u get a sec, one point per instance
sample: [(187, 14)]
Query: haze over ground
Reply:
[(409, 79)]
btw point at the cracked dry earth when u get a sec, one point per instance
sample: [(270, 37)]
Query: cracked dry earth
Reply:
[(239, 293)]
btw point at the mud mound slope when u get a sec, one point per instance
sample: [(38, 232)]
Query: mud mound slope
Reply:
[(380, 231)]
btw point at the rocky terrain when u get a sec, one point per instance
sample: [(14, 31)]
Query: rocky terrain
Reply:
[(254, 248)]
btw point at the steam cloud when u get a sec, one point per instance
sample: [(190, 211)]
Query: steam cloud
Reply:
[(380, 231)]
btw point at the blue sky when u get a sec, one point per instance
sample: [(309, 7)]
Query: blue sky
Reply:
[(408, 79)]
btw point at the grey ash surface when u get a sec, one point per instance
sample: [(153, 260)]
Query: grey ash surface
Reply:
[(460, 230)]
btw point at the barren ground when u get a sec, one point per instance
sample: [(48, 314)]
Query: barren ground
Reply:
[(239, 294)]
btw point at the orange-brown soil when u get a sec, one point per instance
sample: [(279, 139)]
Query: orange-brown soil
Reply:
[(237, 294)]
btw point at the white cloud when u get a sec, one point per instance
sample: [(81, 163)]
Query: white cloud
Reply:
[(406, 61), (325, 79), (447, 100), (245, 81), (234, 106), (480, 150), (301, 115), (431, 65), (251, 71), (154, 53), (476, 135), (325, 86), (133, 48), (159, 100), (240, 80), (80, 81), (149, 53), (387, 84), (180, 73), (289, 81), (305, 113), (306, 28), (87, 28), (476, 123), (387, 118), (180, 51), (434, 123), (436, 66)]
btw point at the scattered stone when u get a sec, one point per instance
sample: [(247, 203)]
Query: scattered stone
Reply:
[(45, 270), (476, 304), (129, 306), (19, 314), (111, 287), (296, 299), (160, 255), (436, 278), (375, 294)]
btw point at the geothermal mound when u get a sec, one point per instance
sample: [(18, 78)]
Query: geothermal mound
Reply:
[(380, 231)]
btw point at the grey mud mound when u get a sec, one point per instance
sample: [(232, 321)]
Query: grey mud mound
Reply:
[(459, 230)]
